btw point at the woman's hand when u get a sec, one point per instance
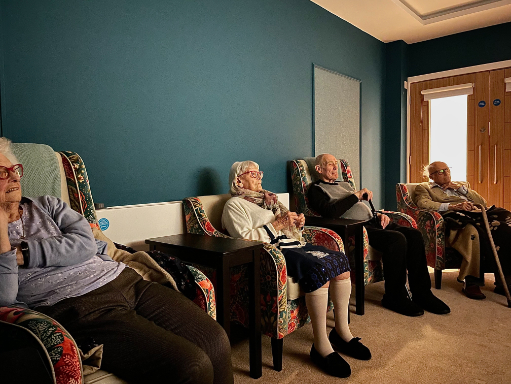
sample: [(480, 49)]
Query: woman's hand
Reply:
[(5, 244), (285, 221), (300, 221), (360, 194), (384, 220)]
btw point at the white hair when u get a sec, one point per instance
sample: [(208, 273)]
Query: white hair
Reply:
[(237, 169), (6, 150)]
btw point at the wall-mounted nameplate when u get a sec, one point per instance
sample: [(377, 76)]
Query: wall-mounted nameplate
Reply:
[(496, 102), (481, 104)]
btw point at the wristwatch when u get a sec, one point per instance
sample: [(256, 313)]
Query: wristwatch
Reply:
[(25, 252)]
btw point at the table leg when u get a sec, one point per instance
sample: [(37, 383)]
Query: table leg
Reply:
[(359, 270), (223, 297), (255, 316)]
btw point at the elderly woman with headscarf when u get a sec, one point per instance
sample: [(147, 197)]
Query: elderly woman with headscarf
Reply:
[(256, 214), (50, 262)]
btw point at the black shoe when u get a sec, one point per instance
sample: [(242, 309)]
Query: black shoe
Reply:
[(430, 303), (333, 364), (402, 305), (473, 291), (353, 348)]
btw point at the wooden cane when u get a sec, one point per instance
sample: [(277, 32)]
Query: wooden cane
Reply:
[(495, 254)]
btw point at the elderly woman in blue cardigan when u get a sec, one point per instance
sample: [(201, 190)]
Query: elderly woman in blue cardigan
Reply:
[(50, 262)]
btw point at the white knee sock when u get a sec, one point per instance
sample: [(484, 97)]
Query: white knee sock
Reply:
[(317, 302), (340, 291)]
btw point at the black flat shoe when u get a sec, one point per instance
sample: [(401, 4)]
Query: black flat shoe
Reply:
[(431, 303), (353, 348), (402, 305), (333, 364)]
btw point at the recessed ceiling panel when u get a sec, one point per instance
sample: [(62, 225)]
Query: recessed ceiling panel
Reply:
[(427, 12)]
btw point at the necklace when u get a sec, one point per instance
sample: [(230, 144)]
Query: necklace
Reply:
[(20, 211)]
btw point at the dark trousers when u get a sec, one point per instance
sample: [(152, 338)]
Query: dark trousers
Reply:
[(150, 333), (402, 249)]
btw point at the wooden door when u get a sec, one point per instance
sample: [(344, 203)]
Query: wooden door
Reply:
[(488, 133)]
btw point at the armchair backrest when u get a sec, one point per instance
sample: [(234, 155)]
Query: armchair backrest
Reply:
[(303, 174), (60, 174)]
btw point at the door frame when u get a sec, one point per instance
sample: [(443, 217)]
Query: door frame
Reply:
[(439, 75)]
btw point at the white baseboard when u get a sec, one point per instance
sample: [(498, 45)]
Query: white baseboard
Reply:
[(132, 224)]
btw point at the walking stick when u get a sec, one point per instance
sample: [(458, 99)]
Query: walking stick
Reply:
[(497, 261)]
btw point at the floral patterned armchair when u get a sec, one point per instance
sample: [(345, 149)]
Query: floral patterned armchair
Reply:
[(302, 175), (59, 351), (281, 312), (431, 225)]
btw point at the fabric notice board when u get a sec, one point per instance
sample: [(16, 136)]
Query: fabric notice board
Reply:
[(337, 117)]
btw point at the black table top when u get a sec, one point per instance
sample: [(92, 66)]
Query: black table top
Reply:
[(319, 221), (205, 243)]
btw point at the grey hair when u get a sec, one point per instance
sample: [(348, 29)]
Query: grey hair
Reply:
[(6, 150), (319, 159)]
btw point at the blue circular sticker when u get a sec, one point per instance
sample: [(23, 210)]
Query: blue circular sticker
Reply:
[(496, 102), (482, 103), (103, 224)]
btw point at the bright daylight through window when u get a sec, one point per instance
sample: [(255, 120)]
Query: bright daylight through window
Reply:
[(448, 134)]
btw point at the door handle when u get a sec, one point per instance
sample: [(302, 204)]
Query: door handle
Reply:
[(480, 166), (495, 164)]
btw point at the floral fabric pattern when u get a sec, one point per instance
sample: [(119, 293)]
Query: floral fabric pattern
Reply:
[(279, 316), (430, 223), (60, 346)]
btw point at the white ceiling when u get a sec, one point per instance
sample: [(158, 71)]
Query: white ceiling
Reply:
[(418, 20)]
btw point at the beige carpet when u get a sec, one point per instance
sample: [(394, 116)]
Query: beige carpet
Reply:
[(472, 344)]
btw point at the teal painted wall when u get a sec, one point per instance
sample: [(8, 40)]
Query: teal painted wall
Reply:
[(395, 119), (160, 97), (480, 46)]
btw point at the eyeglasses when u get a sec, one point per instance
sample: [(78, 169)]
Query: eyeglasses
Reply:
[(441, 171), (332, 163), (16, 168), (254, 174)]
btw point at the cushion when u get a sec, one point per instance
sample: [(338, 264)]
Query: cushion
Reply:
[(41, 171), (213, 206)]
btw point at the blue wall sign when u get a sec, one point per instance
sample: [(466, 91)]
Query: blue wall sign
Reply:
[(481, 104), (103, 224), (496, 102)]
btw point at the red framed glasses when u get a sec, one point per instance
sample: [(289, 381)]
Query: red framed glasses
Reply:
[(5, 171), (254, 174)]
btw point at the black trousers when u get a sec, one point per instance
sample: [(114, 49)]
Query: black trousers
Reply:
[(403, 250), (151, 333)]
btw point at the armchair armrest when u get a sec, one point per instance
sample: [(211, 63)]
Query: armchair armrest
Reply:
[(206, 300), (324, 237), (401, 219), (60, 347), (432, 226)]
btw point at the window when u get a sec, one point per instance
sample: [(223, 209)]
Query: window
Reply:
[(448, 134)]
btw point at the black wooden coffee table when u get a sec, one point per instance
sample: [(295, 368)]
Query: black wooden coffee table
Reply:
[(221, 254)]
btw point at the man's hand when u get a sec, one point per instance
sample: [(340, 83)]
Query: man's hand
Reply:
[(384, 220), (465, 206), (368, 194)]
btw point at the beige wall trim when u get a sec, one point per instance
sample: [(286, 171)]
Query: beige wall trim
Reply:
[(460, 71)]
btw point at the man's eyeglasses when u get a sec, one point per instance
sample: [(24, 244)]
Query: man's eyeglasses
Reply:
[(16, 168), (254, 174), (441, 171)]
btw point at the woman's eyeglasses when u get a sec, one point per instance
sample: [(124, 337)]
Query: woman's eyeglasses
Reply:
[(441, 171), (254, 174), (16, 168)]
